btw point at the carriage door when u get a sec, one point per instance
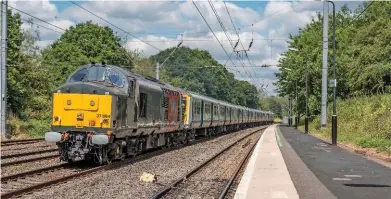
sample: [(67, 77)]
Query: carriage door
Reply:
[(173, 108), (131, 116)]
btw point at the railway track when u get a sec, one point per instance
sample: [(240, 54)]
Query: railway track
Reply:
[(4, 164), (12, 156), (24, 141), (30, 181), (26, 182), (27, 153), (188, 176)]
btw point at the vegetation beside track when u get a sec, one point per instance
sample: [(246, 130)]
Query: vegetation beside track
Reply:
[(362, 121), (30, 68)]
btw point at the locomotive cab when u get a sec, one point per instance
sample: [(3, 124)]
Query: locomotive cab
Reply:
[(94, 103)]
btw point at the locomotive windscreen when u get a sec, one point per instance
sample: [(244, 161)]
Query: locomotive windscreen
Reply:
[(99, 74)]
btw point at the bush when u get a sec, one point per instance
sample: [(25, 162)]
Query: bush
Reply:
[(32, 128), (363, 121)]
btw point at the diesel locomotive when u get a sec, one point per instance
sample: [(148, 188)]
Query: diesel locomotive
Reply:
[(105, 112)]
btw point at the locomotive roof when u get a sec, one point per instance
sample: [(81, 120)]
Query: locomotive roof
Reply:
[(147, 81)]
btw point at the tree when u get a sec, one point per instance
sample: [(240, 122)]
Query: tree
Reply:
[(363, 56), (83, 44), (197, 71)]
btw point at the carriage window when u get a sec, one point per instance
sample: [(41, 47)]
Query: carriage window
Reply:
[(78, 76), (199, 108), (207, 111), (222, 112), (215, 110), (196, 109), (143, 105)]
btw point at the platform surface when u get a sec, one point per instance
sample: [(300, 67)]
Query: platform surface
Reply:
[(343, 173), (266, 175), (287, 163)]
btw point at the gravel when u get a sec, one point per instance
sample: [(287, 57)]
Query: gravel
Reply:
[(232, 191), (210, 181), (34, 179), (124, 182), (24, 148), (28, 166)]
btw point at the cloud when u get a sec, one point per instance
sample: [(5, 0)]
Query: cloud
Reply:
[(45, 11), (162, 21)]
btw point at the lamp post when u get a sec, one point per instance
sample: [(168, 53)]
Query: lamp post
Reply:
[(306, 91), (297, 106), (289, 104), (289, 111), (334, 116), (158, 66)]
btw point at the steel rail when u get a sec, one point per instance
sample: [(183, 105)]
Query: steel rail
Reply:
[(24, 140), (28, 153), (28, 160), (240, 166), (4, 148), (48, 183), (31, 172), (162, 192)]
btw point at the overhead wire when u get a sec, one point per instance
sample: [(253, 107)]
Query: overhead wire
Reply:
[(224, 30), (85, 9), (39, 25), (220, 22), (212, 31), (36, 18), (233, 25), (362, 12), (229, 38)]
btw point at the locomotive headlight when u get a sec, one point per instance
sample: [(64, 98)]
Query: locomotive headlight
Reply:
[(52, 137), (105, 121), (69, 102), (92, 123), (100, 139), (80, 116), (92, 103), (57, 118)]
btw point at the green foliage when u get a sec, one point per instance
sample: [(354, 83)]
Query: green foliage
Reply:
[(141, 64), (29, 72), (275, 104), (363, 121), (197, 71), (83, 44), (363, 56)]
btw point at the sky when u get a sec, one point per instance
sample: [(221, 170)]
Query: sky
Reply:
[(163, 24)]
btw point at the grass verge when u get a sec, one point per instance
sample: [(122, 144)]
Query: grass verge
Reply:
[(364, 122)]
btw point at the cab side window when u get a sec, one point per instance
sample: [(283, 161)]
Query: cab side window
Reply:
[(143, 105), (131, 88), (78, 76)]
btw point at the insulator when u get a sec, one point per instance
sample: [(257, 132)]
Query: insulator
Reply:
[(179, 44), (236, 44)]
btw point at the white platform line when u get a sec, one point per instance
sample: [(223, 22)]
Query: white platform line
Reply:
[(342, 179), (353, 176), (241, 191)]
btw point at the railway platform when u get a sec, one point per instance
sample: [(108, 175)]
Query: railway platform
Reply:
[(287, 163)]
